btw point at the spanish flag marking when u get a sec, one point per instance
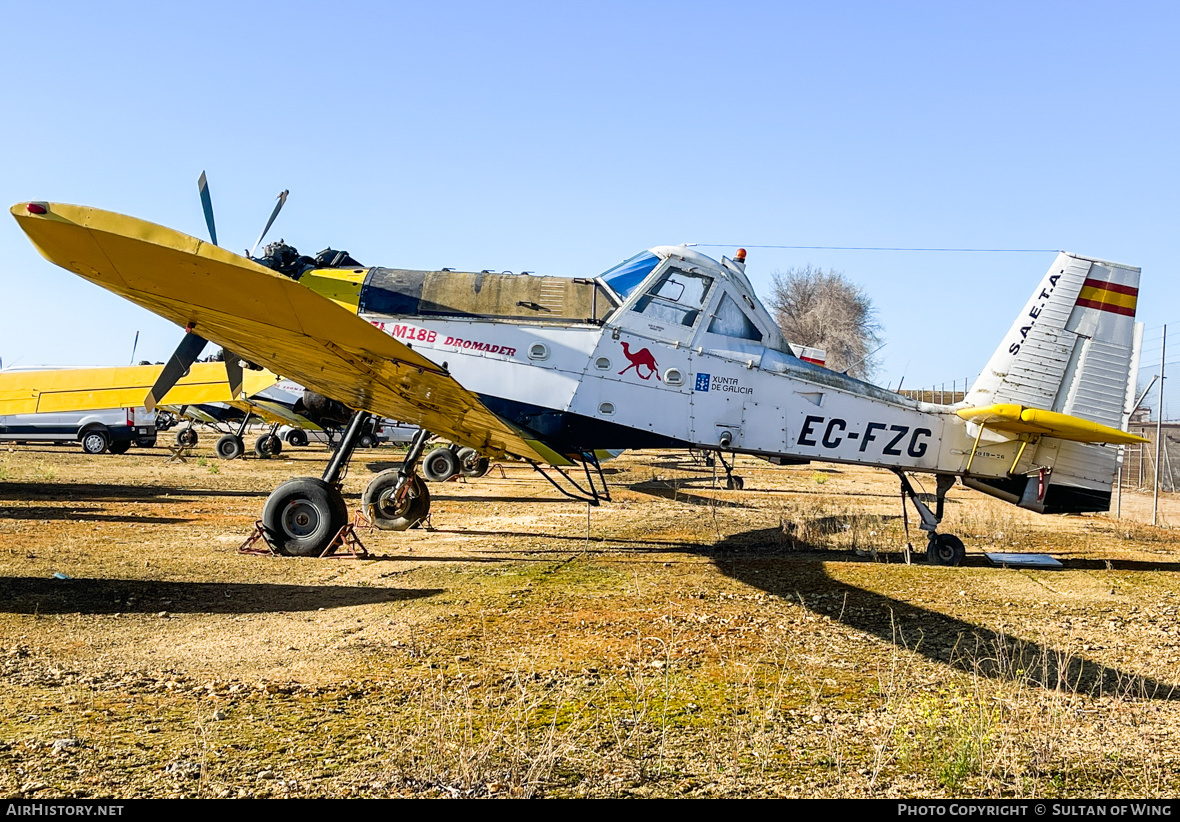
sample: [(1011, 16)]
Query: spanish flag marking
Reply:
[(1104, 296)]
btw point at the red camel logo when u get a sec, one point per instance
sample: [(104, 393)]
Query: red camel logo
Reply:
[(643, 358)]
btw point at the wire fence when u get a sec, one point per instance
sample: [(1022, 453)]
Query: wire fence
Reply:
[(1154, 348)]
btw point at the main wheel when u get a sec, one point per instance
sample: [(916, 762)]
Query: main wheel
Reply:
[(471, 464), (96, 441), (390, 513), (440, 465), (267, 446), (945, 549), (186, 436), (303, 516), (297, 437), (121, 447), (230, 447)]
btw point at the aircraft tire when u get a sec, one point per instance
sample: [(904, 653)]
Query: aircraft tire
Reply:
[(471, 464), (96, 441), (389, 514), (481, 466), (186, 436), (440, 465), (945, 549), (297, 437), (735, 483), (230, 447), (121, 447), (267, 446), (302, 517), (367, 441)]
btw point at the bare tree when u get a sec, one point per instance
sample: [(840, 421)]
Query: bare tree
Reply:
[(823, 309)]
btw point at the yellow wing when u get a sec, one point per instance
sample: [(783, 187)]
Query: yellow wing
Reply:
[(271, 320), (87, 389)]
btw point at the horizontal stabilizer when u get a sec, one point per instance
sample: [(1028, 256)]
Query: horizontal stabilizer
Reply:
[(1020, 420)]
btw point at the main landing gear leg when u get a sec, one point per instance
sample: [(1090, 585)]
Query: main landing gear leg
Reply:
[(303, 516), (732, 481), (941, 549), (231, 446), (269, 445), (397, 499)]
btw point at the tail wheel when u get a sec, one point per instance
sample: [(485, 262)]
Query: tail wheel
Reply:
[(440, 465), (230, 447), (395, 512), (303, 516), (186, 436), (367, 441), (945, 549), (297, 437)]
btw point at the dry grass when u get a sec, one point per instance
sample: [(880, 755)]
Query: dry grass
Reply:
[(702, 642)]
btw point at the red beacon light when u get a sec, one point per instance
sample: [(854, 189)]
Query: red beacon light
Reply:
[(37, 208)]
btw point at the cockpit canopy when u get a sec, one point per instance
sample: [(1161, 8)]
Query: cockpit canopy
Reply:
[(629, 274), (666, 291)]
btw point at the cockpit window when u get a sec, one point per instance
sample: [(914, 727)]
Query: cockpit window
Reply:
[(627, 275), (677, 297), (731, 321)]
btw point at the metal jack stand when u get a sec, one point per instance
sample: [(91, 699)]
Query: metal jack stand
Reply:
[(346, 538)]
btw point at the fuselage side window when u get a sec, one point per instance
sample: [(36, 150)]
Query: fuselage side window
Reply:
[(730, 321), (676, 298)]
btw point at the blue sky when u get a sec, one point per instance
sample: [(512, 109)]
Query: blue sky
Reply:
[(562, 138)]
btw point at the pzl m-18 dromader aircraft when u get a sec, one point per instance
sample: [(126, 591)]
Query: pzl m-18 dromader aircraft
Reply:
[(668, 349)]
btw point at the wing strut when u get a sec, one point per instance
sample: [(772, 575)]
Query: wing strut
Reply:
[(590, 494)]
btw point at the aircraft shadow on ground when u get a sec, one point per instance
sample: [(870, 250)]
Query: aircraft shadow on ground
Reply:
[(973, 649), (34, 595), (22, 491), (66, 512), (675, 490), (595, 545)]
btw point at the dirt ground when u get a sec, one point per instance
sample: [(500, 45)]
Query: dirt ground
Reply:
[(681, 640)]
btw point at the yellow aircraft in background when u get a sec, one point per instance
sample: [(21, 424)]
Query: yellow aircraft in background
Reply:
[(87, 389)]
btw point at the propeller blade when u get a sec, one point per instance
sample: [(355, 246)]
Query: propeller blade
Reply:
[(233, 372), (207, 206), (185, 355), (273, 214)]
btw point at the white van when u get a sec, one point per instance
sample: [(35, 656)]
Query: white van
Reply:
[(109, 429), (384, 431)]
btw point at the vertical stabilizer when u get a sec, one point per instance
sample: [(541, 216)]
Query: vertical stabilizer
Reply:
[(1073, 349)]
